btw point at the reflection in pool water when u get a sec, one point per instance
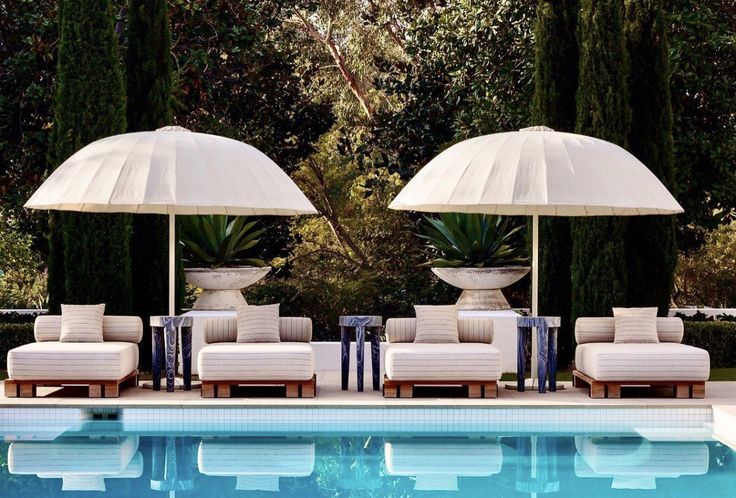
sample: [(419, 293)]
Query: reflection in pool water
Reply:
[(118, 464)]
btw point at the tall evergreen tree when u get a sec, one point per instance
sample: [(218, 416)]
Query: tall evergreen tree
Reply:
[(89, 104), (598, 253), (149, 78), (650, 245), (555, 85)]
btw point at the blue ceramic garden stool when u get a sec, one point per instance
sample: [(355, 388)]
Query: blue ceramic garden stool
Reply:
[(361, 323), (547, 327), (163, 336)]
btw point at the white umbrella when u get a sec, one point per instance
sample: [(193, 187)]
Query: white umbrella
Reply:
[(533, 172), (171, 171)]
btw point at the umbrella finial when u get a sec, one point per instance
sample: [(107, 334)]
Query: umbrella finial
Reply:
[(537, 128), (172, 128)]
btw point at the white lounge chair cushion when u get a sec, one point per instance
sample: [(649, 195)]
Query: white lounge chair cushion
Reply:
[(258, 323), (443, 458), (635, 325), (436, 324), (72, 361), (47, 328), (254, 361), (443, 362), (81, 322), (642, 362), (256, 458)]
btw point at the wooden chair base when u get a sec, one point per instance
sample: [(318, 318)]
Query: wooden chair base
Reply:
[(405, 388), (294, 389), (97, 388), (612, 389)]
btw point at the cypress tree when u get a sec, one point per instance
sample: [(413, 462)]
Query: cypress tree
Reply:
[(555, 85), (651, 247), (149, 78), (598, 253), (89, 104)]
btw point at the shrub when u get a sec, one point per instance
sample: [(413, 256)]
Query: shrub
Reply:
[(716, 337), (13, 335)]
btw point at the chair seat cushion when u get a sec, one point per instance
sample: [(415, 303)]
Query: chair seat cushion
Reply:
[(72, 361), (642, 362), (443, 362), (256, 361)]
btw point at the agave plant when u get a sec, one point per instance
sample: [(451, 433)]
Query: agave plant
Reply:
[(472, 240), (216, 240)]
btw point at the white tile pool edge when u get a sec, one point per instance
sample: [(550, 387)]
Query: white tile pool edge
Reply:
[(363, 419)]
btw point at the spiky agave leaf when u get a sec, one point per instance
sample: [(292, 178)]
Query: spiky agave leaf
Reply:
[(218, 240)]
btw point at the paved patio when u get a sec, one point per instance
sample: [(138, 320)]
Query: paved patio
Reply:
[(329, 394)]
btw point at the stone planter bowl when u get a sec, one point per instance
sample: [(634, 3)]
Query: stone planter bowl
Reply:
[(221, 286), (482, 286)]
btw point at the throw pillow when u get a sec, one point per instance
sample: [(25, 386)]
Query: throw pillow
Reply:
[(81, 322), (635, 325), (436, 324), (258, 323)]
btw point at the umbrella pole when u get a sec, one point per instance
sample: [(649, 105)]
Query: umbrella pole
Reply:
[(172, 264), (535, 288)]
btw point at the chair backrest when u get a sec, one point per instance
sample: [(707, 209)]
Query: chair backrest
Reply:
[(47, 328), (601, 329), (225, 329), (469, 329)]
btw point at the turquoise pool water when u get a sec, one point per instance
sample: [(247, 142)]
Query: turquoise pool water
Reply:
[(97, 459)]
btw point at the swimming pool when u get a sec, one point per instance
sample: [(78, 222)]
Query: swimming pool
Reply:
[(117, 456)]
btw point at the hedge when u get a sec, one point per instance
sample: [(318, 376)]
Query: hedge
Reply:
[(716, 337), (13, 335)]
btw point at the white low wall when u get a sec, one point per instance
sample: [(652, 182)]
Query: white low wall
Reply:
[(710, 312)]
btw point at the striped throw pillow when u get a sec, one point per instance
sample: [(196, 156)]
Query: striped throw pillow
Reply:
[(635, 325), (436, 324), (258, 323), (81, 322)]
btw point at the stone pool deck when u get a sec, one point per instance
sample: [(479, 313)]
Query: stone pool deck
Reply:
[(721, 395)]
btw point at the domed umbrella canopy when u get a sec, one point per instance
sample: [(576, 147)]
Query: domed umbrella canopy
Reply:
[(171, 171), (536, 172)]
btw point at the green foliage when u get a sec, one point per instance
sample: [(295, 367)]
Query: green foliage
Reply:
[(703, 64), (553, 105), (716, 337), (13, 335), (89, 104), (22, 284), (478, 240), (598, 244), (707, 276), (650, 243), (213, 241)]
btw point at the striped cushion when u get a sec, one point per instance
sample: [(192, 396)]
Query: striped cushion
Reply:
[(256, 457), (420, 362), (443, 456), (72, 361), (642, 362), (258, 323), (469, 329), (635, 325), (81, 322), (114, 328), (225, 329), (601, 329), (436, 324), (256, 361)]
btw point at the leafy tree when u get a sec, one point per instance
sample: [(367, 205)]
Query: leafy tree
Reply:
[(598, 244), (22, 285), (89, 104), (650, 242), (553, 105)]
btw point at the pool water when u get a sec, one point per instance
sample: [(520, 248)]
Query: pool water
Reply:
[(100, 462)]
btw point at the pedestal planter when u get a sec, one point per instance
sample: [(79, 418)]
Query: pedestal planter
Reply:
[(221, 286), (482, 286)]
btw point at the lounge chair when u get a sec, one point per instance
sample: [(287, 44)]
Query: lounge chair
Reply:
[(223, 362), (81, 463), (102, 366), (604, 366), (436, 463), (636, 463), (257, 463), (473, 362)]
